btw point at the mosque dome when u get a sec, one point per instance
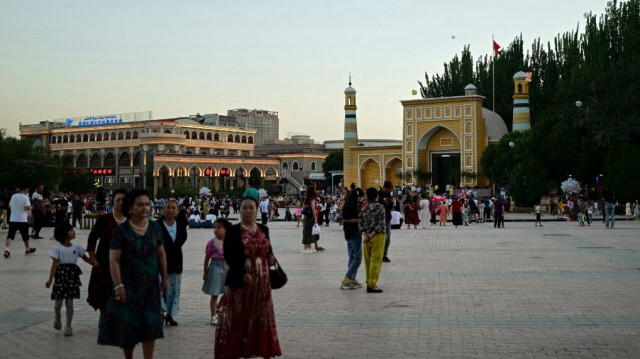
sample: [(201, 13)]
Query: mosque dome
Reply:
[(350, 89), (520, 75), (470, 89), (494, 125)]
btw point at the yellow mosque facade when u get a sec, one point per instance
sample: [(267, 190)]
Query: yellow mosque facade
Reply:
[(442, 142)]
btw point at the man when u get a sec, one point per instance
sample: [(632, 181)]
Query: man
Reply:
[(609, 207), (78, 207), (386, 199), (264, 210), (498, 213), (354, 239), (20, 207), (372, 227), (61, 206), (4, 203), (37, 201)]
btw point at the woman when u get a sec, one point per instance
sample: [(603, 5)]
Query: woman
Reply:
[(136, 259), (100, 281), (415, 212), (174, 233), (627, 210), (352, 235), (310, 219), (424, 211), (456, 212), (194, 220), (407, 212), (247, 326), (444, 212)]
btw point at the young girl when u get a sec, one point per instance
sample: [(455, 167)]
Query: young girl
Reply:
[(66, 273), (215, 268), (299, 213)]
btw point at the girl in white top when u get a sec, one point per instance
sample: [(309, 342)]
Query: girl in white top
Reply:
[(425, 214), (66, 272)]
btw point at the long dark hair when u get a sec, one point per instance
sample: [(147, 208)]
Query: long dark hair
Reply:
[(311, 194)]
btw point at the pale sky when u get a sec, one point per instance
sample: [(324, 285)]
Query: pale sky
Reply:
[(66, 58)]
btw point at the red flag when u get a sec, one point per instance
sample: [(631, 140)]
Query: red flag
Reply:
[(496, 47)]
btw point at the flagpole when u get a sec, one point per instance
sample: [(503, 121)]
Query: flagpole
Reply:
[(493, 63)]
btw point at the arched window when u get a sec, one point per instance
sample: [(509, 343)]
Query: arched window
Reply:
[(313, 166), (216, 137), (105, 137), (165, 131), (230, 138), (136, 159), (92, 138), (95, 161), (65, 139), (81, 161), (194, 135), (85, 138), (72, 139), (237, 138), (78, 138), (120, 135), (186, 134), (209, 136), (59, 139), (124, 160), (295, 166), (201, 136), (285, 166), (244, 139), (250, 139), (127, 135), (135, 135), (110, 160), (519, 88), (54, 139)]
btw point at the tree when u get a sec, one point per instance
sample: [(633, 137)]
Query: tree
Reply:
[(333, 162)]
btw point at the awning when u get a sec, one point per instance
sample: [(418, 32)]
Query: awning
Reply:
[(316, 176)]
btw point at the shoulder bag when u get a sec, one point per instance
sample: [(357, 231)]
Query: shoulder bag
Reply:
[(277, 276)]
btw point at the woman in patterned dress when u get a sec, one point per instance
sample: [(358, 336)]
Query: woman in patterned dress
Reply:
[(247, 326), (137, 258)]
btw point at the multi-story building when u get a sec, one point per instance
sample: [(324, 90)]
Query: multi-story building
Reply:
[(122, 150), (266, 123)]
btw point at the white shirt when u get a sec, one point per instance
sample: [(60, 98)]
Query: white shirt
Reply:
[(210, 217), (67, 255), (18, 204), (36, 197), (538, 209), (194, 217), (264, 206), (395, 218)]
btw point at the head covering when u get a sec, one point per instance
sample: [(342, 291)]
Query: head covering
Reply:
[(252, 194), (359, 192)]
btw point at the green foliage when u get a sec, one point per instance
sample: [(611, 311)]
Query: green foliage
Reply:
[(184, 188), (78, 181), (599, 67), (622, 171), (333, 162), (423, 177), (22, 163)]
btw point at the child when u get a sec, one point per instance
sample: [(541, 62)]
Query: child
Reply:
[(538, 211), (215, 268), (465, 215), (299, 213), (66, 272)]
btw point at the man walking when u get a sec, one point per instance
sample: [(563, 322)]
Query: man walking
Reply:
[(20, 207), (498, 213), (609, 207), (37, 211), (264, 210)]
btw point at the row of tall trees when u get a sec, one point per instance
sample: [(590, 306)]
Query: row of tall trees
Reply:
[(585, 105)]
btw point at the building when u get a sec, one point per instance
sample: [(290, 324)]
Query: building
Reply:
[(266, 123), (128, 149), (442, 143)]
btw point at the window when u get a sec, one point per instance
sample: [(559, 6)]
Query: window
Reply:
[(201, 136), (85, 138), (313, 166), (92, 137), (65, 139), (135, 135), (295, 166), (54, 139), (72, 139), (244, 139), (237, 138), (127, 135), (113, 136), (120, 135), (216, 137), (209, 136), (285, 166), (230, 138), (194, 135), (186, 134), (250, 139), (105, 137)]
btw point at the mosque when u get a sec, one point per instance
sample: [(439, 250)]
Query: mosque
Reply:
[(442, 140)]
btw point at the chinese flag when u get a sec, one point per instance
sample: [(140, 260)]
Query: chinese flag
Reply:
[(496, 47)]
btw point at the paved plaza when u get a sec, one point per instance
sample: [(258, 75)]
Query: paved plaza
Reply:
[(558, 291)]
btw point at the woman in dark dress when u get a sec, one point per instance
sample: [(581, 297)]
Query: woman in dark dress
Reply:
[(174, 231), (309, 220), (247, 326), (456, 212), (136, 260), (100, 282)]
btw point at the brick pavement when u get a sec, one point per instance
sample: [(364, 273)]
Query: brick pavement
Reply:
[(558, 291)]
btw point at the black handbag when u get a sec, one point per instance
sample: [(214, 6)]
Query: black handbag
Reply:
[(277, 276)]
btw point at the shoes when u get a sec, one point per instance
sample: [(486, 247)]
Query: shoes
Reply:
[(308, 250), (214, 319), (373, 290), (319, 249), (57, 325), (168, 320), (36, 237), (346, 284), (7, 254), (386, 259), (355, 284), (67, 332), (29, 251)]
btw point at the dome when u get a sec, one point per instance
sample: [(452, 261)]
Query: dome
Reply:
[(470, 87), (349, 90), (520, 75), (494, 125)]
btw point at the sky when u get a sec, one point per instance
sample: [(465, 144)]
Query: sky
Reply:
[(64, 58)]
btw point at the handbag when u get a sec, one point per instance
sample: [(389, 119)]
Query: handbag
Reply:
[(277, 276), (315, 230), (307, 211)]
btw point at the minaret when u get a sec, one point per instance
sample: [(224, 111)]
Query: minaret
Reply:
[(350, 167), (521, 115)]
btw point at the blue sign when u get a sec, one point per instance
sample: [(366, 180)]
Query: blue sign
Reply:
[(91, 121), (69, 122)]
